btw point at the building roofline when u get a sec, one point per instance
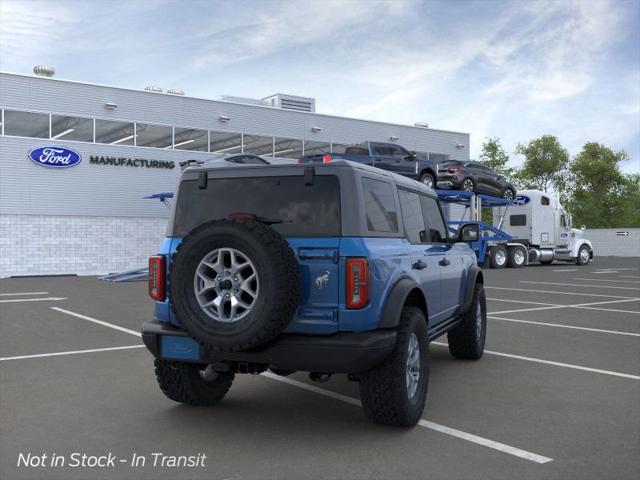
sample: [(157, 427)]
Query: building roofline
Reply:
[(232, 103)]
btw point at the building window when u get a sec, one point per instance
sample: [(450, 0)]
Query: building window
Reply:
[(316, 148), (438, 157), (380, 206), (191, 139), (114, 133), (258, 145), (26, 124), (287, 148), (225, 143), (157, 136), (71, 128)]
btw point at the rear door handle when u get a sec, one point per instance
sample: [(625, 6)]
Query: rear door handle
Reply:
[(444, 262), (419, 265)]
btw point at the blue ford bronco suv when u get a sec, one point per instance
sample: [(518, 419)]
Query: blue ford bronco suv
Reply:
[(329, 268)]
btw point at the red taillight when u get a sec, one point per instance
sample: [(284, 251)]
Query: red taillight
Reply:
[(357, 282), (156, 278), (326, 158), (453, 170)]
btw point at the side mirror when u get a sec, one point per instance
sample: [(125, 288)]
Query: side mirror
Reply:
[(411, 156), (469, 232)]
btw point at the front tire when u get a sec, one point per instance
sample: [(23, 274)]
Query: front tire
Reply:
[(394, 392), (192, 383), (509, 194), (428, 179), (584, 255), (467, 339), (468, 185)]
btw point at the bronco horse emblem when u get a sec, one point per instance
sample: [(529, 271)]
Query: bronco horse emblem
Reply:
[(321, 280)]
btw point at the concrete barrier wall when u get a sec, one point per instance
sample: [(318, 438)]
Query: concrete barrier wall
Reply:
[(613, 241)]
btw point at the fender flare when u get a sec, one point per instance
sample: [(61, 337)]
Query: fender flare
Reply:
[(430, 171), (473, 276), (395, 301), (580, 243)]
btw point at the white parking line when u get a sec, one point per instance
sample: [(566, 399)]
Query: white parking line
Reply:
[(555, 364), (556, 292), (567, 270), (633, 312), (629, 276), (606, 280), (99, 322), (71, 352), (533, 457), (23, 293), (48, 299), (521, 301), (614, 332), (580, 285), (589, 306)]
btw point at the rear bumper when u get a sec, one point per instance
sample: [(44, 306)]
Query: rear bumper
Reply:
[(339, 353)]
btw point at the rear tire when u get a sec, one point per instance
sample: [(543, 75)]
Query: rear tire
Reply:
[(468, 185), (468, 338), (390, 392), (192, 383), (517, 257), (499, 256), (428, 179)]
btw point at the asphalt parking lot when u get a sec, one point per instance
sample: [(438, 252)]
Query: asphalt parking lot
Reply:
[(556, 395)]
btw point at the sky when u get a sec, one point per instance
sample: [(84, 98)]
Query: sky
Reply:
[(510, 69)]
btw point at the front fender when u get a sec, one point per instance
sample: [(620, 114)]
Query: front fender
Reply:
[(578, 243), (473, 276)]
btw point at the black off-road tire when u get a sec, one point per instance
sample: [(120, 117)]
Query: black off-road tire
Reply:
[(182, 382), (467, 339), (278, 273), (495, 256), (428, 176), (383, 389)]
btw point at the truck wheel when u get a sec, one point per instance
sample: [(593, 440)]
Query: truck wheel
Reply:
[(517, 257), (467, 339), (584, 255), (428, 180), (394, 392), (498, 256), (234, 284), (192, 383)]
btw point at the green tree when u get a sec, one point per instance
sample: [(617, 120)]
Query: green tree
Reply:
[(630, 216), (545, 164), (495, 157), (599, 194)]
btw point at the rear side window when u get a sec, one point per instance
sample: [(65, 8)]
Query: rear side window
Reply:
[(357, 151), (304, 210), (380, 207), (412, 216), (518, 220), (436, 230)]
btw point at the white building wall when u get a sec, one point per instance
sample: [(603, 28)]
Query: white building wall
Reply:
[(83, 245), (612, 242)]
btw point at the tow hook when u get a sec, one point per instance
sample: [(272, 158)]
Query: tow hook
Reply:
[(319, 377)]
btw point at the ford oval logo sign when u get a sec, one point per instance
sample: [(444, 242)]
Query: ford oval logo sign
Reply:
[(521, 200), (55, 157)]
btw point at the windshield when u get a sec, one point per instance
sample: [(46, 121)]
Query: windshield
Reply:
[(292, 208)]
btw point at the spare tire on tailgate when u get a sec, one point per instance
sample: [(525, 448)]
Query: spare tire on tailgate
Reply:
[(234, 284)]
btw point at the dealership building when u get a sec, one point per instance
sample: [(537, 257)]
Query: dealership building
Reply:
[(77, 160)]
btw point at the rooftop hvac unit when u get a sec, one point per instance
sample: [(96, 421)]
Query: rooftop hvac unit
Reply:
[(44, 71), (153, 88), (291, 102), (175, 91)]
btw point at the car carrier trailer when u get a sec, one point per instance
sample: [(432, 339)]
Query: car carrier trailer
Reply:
[(532, 228)]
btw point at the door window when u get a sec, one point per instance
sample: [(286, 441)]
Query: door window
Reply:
[(412, 217), (398, 151), (380, 208), (436, 229)]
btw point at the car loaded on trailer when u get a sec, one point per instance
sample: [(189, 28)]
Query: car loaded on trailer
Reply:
[(331, 268), (474, 177), (387, 156)]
